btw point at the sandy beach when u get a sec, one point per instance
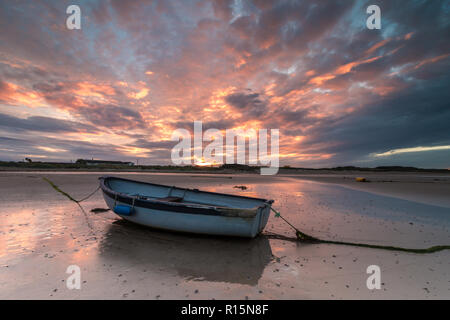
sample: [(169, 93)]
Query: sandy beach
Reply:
[(42, 233)]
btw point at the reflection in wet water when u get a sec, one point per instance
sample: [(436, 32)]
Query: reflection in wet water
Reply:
[(334, 212), (27, 229), (192, 257)]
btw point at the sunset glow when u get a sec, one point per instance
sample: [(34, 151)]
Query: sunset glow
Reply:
[(340, 94)]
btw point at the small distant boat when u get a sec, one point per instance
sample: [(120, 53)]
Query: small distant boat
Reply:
[(185, 210)]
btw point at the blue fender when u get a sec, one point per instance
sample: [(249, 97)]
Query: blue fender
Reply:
[(123, 210)]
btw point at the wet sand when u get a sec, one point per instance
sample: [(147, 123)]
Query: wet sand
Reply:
[(429, 188), (42, 233)]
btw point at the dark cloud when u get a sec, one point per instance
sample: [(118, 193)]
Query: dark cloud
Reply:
[(250, 103), (48, 88), (142, 143), (42, 124), (30, 146), (111, 116), (409, 118), (220, 125)]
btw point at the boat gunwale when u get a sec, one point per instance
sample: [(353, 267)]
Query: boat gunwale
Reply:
[(170, 206)]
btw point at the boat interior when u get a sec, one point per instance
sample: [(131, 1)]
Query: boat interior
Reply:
[(155, 192)]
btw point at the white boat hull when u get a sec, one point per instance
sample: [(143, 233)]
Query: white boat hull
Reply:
[(192, 222)]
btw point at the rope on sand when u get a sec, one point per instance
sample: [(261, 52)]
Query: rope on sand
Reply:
[(54, 186), (303, 237)]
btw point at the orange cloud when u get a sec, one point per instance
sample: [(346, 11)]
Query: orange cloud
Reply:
[(13, 94), (140, 94), (240, 62), (431, 60), (346, 68), (376, 46), (321, 79), (89, 89), (49, 149), (408, 36), (134, 151)]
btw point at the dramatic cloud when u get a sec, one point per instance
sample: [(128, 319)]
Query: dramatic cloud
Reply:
[(340, 94), (42, 124)]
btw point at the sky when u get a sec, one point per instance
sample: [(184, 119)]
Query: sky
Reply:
[(340, 93)]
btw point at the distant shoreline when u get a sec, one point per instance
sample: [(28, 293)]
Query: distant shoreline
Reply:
[(224, 169)]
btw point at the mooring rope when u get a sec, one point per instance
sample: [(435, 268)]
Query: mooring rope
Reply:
[(54, 186), (68, 195), (303, 237)]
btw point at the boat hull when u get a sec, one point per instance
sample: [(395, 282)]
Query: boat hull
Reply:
[(194, 220), (196, 223)]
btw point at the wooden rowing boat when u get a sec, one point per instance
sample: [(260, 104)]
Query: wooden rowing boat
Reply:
[(185, 210)]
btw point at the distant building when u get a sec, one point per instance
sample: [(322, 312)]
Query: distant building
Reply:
[(103, 162)]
